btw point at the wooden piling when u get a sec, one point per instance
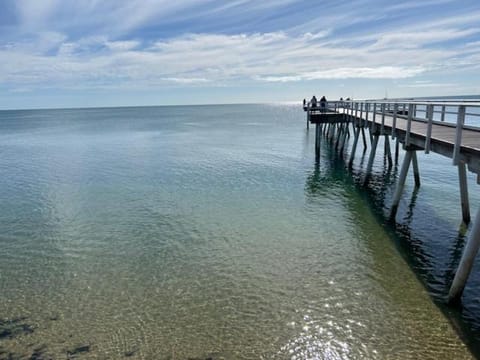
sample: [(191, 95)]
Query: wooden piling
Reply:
[(401, 182), (416, 173), (318, 137), (388, 152), (345, 133), (466, 262), (364, 139), (372, 154), (397, 149), (339, 135), (354, 145), (462, 177)]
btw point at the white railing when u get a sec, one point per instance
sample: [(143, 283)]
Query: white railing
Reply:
[(460, 115)]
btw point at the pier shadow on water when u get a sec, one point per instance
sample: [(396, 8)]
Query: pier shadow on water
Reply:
[(431, 247)]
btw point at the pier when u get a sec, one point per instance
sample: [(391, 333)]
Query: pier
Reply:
[(448, 128)]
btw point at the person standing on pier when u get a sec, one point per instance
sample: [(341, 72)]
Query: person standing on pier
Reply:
[(313, 102), (323, 104)]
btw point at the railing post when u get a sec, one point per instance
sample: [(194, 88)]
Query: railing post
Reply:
[(429, 128), (443, 113), (458, 134), (383, 119), (350, 113), (372, 128), (394, 124), (409, 124)]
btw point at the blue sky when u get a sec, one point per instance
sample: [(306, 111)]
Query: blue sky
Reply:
[(65, 53)]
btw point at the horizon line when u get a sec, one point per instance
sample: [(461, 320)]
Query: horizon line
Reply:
[(284, 102)]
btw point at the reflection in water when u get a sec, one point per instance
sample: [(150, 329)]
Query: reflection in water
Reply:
[(377, 192), (332, 328)]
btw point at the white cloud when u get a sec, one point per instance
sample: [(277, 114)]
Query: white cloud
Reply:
[(200, 58), (122, 45), (415, 39), (382, 72), (429, 85), (186, 80), (52, 58), (408, 5)]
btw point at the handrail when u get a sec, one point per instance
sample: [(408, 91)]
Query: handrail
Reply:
[(452, 113)]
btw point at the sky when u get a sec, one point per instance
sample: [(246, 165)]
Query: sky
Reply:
[(69, 53)]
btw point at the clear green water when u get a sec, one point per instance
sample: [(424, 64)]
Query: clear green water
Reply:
[(197, 232)]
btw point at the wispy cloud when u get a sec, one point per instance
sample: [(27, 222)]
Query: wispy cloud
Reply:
[(382, 72), (428, 84), (275, 56), (408, 5)]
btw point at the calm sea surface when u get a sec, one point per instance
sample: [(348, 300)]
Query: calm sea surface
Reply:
[(208, 232)]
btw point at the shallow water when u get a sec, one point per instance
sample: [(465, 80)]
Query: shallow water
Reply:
[(209, 231)]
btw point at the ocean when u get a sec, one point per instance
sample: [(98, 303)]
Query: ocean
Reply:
[(210, 232)]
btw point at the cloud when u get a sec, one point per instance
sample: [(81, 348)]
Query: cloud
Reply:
[(186, 80), (415, 39), (67, 44), (122, 45), (382, 72), (428, 84), (118, 18), (201, 58), (408, 5)]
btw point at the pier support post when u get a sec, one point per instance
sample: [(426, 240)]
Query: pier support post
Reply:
[(344, 139), (308, 120), (336, 129), (466, 262), (388, 152), (318, 137), (401, 182), (364, 139), (416, 172), (331, 132), (462, 177), (397, 149), (339, 134), (372, 154), (354, 145)]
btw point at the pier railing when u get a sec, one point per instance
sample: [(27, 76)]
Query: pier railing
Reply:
[(460, 115)]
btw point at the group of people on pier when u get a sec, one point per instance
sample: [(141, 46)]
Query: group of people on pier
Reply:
[(314, 103)]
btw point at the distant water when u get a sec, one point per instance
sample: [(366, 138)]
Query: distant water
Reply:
[(208, 232)]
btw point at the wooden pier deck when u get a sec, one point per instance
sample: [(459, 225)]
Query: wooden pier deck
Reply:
[(442, 138), (438, 127)]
